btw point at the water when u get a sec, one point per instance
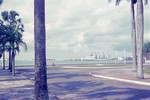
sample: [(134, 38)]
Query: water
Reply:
[(79, 62), (19, 63), (62, 62)]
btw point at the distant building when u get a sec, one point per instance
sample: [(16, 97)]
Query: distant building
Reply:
[(120, 58), (95, 55), (88, 58)]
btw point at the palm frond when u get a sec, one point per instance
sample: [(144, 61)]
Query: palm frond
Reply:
[(5, 15), (1, 22), (13, 15), (133, 1), (24, 45), (117, 2), (17, 49), (145, 2), (1, 1)]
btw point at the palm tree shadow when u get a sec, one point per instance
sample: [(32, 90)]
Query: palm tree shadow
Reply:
[(134, 94), (64, 84), (67, 84)]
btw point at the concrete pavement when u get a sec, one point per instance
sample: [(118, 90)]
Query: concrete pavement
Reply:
[(15, 87), (78, 84), (18, 87)]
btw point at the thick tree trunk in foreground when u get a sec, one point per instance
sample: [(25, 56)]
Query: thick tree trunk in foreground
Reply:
[(140, 35), (41, 91), (133, 37)]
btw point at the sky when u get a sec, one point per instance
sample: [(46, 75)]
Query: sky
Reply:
[(75, 28)]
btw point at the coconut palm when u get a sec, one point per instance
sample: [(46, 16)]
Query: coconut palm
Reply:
[(40, 87)]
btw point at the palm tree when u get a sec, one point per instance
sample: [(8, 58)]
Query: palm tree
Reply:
[(40, 87), (140, 38), (9, 49), (133, 32), (133, 35), (17, 37), (5, 18), (18, 41), (14, 30), (3, 40), (1, 1)]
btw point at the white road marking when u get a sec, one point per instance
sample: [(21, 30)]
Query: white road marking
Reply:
[(122, 80), (94, 67)]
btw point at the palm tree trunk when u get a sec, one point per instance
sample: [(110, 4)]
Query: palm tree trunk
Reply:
[(133, 37), (140, 35), (13, 63), (13, 59), (10, 57), (40, 87), (3, 57), (10, 61)]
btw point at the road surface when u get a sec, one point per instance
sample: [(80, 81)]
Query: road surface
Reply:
[(78, 84)]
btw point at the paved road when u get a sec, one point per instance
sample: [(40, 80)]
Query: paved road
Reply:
[(77, 84)]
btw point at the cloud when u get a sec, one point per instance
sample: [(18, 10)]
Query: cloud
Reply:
[(75, 28)]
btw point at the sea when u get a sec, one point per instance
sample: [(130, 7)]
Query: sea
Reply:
[(66, 62)]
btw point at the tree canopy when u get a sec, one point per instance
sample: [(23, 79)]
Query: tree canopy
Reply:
[(1, 1), (146, 48), (11, 38)]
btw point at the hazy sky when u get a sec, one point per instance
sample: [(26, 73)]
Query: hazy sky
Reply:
[(75, 28)]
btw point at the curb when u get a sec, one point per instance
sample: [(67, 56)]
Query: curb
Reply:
[(74, 67), (121, 80)]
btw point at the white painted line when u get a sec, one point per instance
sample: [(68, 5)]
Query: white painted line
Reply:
[(94, 67), (122, 80), (100, 64)]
